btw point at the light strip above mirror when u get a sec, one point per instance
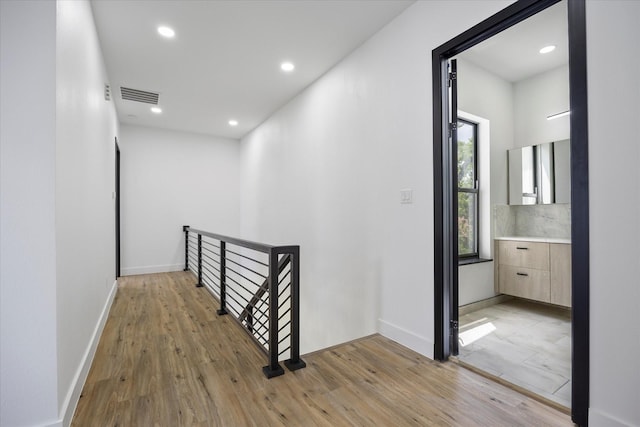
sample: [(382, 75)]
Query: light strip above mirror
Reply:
[(558, 115)]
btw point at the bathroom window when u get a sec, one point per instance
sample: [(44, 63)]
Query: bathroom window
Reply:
[(468, 189)]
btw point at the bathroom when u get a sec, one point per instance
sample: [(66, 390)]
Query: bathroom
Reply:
[(514, 217)]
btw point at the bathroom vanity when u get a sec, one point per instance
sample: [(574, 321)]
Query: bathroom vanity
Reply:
[(535, 268)]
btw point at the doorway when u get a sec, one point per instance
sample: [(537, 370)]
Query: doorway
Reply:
[(446, 190)]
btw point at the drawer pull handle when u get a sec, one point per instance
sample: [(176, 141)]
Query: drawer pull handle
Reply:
[(522, 274), (522, 248)]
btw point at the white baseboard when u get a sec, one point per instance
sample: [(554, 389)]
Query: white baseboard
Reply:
[(71, 400), (600, 419), (407, 338), (132, 271)]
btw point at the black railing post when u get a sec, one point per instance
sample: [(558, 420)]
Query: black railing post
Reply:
[(250, 319), (223, 278), (185, 228), (295, 362), (199, 284), (273, 369)]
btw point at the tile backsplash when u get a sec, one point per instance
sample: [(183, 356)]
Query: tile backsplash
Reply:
[(533, 220)]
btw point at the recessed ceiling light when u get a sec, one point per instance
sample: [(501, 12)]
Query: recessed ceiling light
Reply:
[(547, 49), (287, 66), (166, 32), (156, 110), (233, 122)]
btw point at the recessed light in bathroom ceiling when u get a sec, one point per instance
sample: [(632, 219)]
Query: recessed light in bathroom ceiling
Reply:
[(233, 122), (287, 66), (166, 32), (547, 49)]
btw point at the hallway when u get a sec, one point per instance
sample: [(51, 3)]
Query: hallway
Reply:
[(166, 358)]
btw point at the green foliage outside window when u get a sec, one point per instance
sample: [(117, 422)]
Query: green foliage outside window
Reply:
[(467, 191)]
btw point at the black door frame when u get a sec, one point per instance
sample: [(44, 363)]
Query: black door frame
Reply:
[(445, 218), (117, 203)]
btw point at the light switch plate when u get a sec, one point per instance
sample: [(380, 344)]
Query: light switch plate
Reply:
[(406, 196)]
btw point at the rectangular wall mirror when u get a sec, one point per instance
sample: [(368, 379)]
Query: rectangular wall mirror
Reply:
[(540, 174)]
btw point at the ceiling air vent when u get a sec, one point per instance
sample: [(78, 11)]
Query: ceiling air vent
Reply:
[(129, 94)]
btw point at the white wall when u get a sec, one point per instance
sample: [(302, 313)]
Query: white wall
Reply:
[(170, 179), (326, 171), (614, 191), (85, 211), (486, 95), (57, 211), (535, 99), (28, 347)]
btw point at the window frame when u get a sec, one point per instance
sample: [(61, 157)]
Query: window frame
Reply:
[(475, 190)]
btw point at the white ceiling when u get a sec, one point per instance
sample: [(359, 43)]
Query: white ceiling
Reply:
[(224, 61), (514, 53)]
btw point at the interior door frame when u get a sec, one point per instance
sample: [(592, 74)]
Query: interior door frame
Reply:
[(117, 206), (445, 218)]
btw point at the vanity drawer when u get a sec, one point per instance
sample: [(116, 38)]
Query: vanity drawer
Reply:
[(525, 282), (524, 254)]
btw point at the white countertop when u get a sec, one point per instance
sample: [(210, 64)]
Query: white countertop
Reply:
[(535, 239)]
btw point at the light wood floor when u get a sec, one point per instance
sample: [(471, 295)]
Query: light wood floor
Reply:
[(166, 359)]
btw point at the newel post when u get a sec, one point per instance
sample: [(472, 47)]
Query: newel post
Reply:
[(199, 284), (223, 278), (185, 228), (295, 362), (273, 369)]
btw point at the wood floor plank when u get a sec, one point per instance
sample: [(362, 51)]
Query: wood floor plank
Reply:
[(166, 358)]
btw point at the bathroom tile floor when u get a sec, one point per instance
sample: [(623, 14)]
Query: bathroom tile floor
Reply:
[(522, 342)]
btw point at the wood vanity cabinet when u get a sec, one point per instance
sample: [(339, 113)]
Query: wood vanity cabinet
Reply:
[(560, 267), (538, 271)]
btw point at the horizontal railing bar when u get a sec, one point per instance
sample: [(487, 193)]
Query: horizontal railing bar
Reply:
[(260, 327), (241, 275), (262, 336), (261, 303), (284, 351), (256, 305), (206, 242), (258, 343), (283, 340), (237, 283), (282, 280), (213, 282), (204, 267), (240, 297), (247, 268), (284, 289), (284, 326), (283, 303), (212, 259), (210, 251), (283, 314), (214, 266), (247, 257), (261, 247)]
